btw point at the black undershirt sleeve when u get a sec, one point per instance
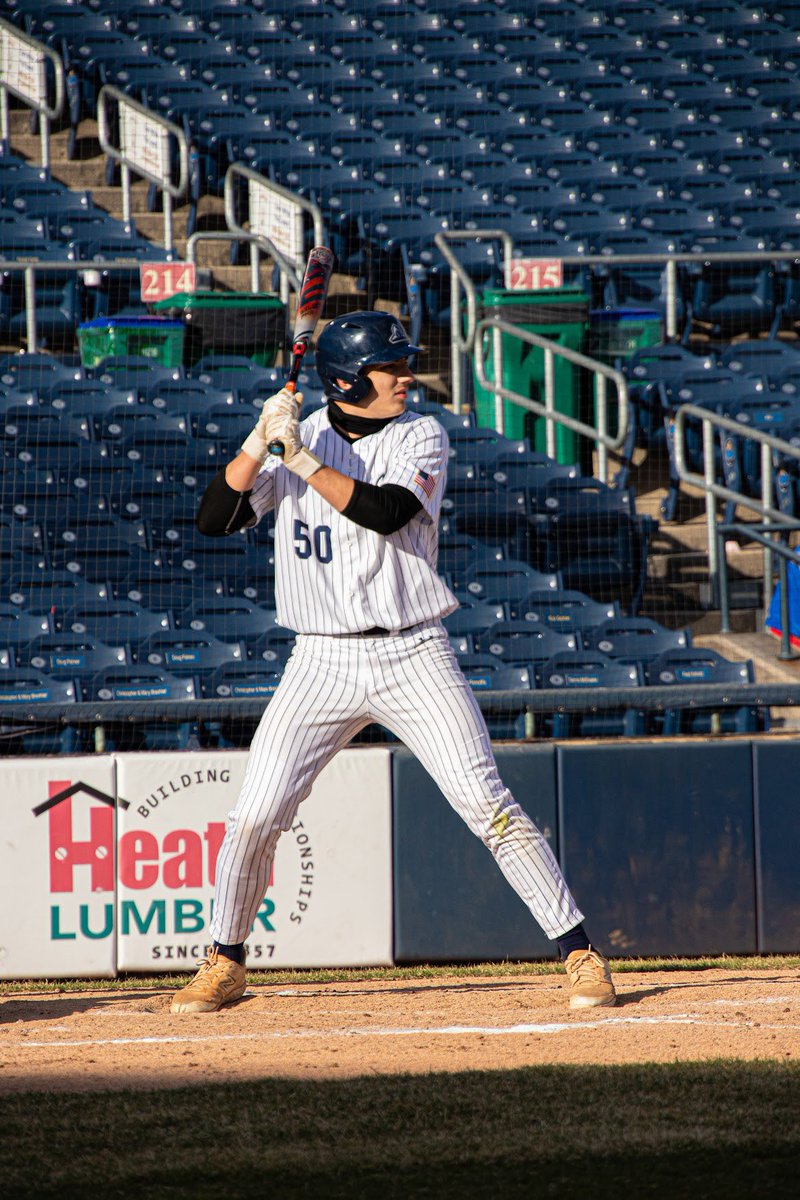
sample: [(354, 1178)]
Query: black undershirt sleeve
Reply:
[(224, 510), (384, 509)]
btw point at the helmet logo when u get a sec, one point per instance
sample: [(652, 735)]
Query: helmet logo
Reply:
[(397, 334)]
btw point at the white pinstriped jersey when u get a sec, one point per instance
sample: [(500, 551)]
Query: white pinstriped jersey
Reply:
[(336, 577)]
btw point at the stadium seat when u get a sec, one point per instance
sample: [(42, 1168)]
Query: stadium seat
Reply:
[(70, 656), (588, 669), (521, 642), (696, 665), (187, 652), (635, 639)]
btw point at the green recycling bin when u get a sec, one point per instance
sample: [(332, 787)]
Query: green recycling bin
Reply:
[(252, 324), (561, 314), (156, 338)]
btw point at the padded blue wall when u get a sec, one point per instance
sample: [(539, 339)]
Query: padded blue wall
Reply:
[(451, 902), (657, 844), (777, 770)]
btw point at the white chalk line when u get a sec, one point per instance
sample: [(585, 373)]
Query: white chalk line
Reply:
[(434, 1031)]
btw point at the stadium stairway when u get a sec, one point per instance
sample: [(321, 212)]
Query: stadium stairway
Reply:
[(677, 591), (86, 170)]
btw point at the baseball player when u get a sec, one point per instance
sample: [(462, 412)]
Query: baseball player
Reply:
[(356, 497)]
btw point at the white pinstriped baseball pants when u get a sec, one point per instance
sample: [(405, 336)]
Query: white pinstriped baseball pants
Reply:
[(411, 684)]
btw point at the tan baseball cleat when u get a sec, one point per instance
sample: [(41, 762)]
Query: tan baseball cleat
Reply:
[(590, 983), (219, 981)]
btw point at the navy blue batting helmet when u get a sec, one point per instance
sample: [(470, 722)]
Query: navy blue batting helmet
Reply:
[(355, 341)]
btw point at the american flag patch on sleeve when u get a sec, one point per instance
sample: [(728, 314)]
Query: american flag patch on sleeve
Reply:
[(425, 481)]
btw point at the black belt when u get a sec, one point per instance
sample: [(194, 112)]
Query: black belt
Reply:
[(375, 631)]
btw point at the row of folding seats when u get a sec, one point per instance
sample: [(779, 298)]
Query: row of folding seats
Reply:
[(197, 664), (754, 382), (42, 222), (581, 153)]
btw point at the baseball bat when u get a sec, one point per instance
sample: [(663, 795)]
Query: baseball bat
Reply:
[(310, 302)]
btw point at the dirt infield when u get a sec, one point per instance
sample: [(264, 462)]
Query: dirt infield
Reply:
[(87, 1041)]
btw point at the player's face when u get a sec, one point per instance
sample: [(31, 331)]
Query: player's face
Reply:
[(389, 384)]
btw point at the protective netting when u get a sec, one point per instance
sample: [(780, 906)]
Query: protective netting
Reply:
[(584, 134)]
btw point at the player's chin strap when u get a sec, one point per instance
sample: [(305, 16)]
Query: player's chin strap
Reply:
[(344, 422)]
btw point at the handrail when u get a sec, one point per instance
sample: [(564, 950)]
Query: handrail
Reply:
[(47, 112), (656, 698), (314, 211), (462, 344), (85, 266), (161, 176), (759, 534), (717, 491), (597, 433), (459, 278)]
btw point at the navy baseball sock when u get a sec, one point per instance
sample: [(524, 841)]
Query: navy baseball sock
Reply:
[(573, 939), (236, 953)]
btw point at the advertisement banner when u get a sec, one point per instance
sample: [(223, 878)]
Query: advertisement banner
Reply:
[(329, 900), (57, 868)]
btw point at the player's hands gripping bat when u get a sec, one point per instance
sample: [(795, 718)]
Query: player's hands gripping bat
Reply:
[(310, 302)]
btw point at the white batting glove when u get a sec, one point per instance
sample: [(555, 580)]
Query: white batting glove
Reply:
[(282, 406), (296, 457)]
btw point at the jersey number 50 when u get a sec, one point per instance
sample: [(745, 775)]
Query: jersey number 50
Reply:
[(316, 541)]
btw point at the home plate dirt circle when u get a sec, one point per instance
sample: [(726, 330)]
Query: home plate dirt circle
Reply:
[(86, 1041)]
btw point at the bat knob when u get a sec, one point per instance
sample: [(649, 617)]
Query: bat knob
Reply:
[(276, 448)]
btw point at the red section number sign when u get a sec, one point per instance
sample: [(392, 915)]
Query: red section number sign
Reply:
[(158, 281), (537, 273)]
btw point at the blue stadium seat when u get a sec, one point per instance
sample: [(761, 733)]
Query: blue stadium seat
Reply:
[(697, 665), (117, 623), (507, 582), (28, 688), (19, 627), (475, 619), (70, 656), (187, 652), (588, 669), (523, 642), (230, 618), (635, 639), (566, 611), (503, 725), (243, 680)]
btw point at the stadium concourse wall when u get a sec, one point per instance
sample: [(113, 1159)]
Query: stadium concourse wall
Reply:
[(107, 862)]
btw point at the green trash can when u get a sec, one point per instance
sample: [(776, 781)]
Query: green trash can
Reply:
[(561, 314), (156, 338), (252, 324), (618, 332)]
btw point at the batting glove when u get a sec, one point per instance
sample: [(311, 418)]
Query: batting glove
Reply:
[(297, 457), (282, 406)]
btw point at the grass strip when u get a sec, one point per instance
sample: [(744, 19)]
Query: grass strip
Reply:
[(288, 978), (705, 1130)]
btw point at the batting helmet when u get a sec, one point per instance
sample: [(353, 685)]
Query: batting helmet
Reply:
[(355, 341)]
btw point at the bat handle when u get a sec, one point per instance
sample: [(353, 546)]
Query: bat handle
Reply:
[(277, 447)]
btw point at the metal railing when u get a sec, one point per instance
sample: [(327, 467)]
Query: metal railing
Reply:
[(29, 82), (597, 433), (715, 491), (238, 171), (152, 158), (764, 535), (463, 291), (533, 704)]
